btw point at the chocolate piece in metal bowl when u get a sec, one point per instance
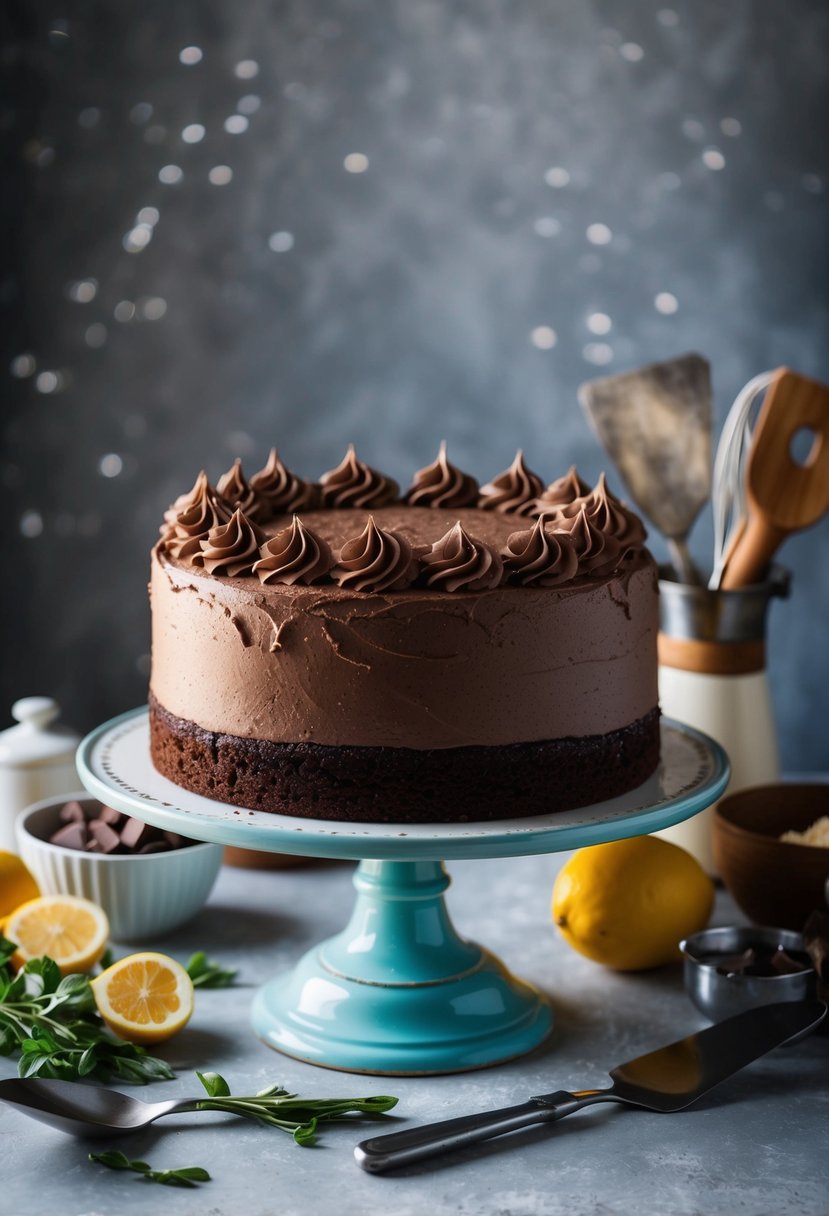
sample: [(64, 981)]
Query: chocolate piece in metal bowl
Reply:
[(731, 969), (145, 891)]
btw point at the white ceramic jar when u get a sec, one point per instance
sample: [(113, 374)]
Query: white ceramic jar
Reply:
[(37, 760), (712, 675)]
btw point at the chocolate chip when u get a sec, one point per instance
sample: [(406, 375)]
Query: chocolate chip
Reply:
[(72, 835), (109, 815), (135, 833), (102, 829), (107, 839), (71, 812)]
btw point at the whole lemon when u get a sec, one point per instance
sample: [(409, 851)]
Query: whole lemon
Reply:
[(16, 884), (627, 904)]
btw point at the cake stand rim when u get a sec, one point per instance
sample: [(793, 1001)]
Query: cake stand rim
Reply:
[(222, 823)]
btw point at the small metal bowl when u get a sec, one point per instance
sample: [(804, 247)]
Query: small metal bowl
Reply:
[(720, 995)]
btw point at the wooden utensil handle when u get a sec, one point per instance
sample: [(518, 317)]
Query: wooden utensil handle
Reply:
[(750, 556)]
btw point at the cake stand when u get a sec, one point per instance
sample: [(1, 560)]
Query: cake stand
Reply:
[(398, 991)]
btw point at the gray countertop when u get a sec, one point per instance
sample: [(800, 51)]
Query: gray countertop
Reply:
[(756, 1147)]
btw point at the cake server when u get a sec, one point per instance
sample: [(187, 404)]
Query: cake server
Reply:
[(655, 424), (666, 1080)]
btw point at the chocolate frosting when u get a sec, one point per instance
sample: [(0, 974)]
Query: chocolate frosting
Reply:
[(203, 509), (560, 493), (458, 560), (612, 517), (440, 484), (540, 556), (354, 484), (235, 489), (294, 555), (513, 490), (376, 560), (183, 503), (598, 552), (281, 489), (231, 548)]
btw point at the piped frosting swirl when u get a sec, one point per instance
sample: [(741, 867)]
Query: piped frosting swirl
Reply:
[(459, 560), (231, 548), (355, 484), (513, 490), (294, 555), (281, 489), (598, 552), (202, 510), (560, 493), (441, 484), (540, 557), (612, 517), (236, 490), (376, 560)]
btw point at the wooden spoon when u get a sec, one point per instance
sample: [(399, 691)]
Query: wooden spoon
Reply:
[(783, 495)]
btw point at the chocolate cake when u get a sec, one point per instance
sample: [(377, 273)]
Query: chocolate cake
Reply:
[(335, 650)]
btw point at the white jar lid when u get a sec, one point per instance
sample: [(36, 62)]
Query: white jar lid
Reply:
[(36, 740)]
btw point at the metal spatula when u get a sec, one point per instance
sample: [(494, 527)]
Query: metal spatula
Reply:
[(655, 424), (665, 1080)]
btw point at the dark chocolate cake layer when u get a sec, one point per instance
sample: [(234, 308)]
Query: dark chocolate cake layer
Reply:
[(404, 785)]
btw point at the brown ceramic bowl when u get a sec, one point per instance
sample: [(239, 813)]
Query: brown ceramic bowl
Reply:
[(772, 881)]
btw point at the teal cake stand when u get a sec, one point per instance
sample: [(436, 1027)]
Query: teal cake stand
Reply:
[(399, 991)]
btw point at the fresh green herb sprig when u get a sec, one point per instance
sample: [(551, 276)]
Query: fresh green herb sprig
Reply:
[(188, 1175), (52, 1020), (276, 1107), (207, 973)]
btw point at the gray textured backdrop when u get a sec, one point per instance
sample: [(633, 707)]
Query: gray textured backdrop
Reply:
[(387, 221)]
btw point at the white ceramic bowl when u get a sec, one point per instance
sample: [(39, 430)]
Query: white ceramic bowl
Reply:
[(145, 895)]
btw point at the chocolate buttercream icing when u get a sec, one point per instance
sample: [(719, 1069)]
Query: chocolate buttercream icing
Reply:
[(281, 489), (598, 552), (236, 490), (202, 509), (540, 557), (513, 490), (184, 502), (441, 484), (458, 560), (612, 517), (294, 555), (376, 560), (231, 548), (560, 493), (354, 484)]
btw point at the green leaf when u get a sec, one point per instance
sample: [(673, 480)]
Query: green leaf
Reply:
[(216, 1086), (206, 973), (305, 1133), (194, 1172), (46, 971), (113, 1159), (7, 949), (188, 1175)]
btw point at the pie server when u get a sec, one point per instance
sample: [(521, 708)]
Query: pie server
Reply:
[(665, 1080)]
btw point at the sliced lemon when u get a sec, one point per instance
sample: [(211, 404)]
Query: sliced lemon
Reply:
[(16, 884), (145, 997), (72, 931)]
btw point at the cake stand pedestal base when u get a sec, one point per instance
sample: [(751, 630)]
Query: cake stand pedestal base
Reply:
[(399, 991)]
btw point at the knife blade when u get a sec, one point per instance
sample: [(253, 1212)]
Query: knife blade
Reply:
[(666, 1080)]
